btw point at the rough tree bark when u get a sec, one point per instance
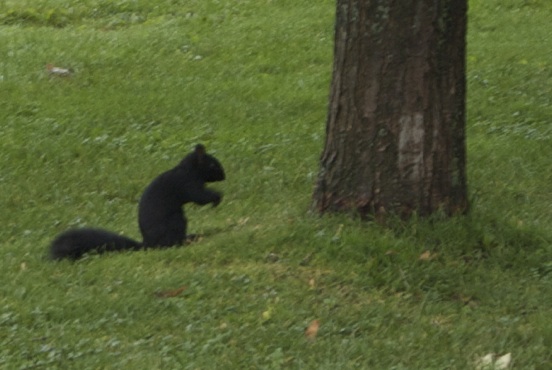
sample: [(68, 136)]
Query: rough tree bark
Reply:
[(395, 134)]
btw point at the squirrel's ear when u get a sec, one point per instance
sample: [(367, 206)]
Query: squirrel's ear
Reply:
[(200, 150), (199, 153)]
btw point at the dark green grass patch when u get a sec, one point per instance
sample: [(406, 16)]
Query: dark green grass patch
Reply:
[(250, 80)]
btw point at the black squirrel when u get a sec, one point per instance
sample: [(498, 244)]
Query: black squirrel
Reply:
[(160, 214)]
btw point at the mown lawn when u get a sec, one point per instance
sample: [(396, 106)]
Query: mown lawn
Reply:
[(250, 80)]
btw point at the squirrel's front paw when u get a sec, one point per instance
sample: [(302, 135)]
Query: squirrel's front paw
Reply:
[(217, 200)]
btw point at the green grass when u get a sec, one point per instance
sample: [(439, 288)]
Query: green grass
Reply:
[(250, 80)]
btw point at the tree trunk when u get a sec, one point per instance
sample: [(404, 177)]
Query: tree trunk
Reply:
[(395, 134)]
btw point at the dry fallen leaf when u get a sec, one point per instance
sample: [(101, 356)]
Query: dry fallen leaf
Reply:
[(488, 362), (426, 256), (467, 300), (485, 362), (503, 362), (57, 71), (170, 293), (243, 221), (312, 330), (312, 283), (440, 321)]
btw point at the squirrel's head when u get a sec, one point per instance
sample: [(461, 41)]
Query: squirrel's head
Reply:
[(208, 166)]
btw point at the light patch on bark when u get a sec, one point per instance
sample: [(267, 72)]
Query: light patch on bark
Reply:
[(411, 147)]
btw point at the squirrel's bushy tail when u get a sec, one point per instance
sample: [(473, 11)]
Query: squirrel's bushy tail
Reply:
[(72, 244)]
